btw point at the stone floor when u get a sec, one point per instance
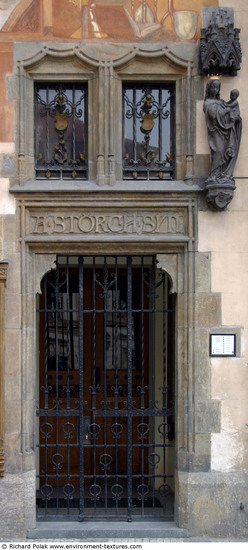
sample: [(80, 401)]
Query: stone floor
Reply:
[(93, 530), (156, 531)]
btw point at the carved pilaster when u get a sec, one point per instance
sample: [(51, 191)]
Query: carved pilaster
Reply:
[(100, 178), (3, 275)]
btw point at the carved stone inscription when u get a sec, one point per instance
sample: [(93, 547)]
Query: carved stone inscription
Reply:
[(138, 223)]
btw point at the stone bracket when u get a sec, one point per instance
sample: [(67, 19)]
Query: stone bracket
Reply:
[(219, 194)]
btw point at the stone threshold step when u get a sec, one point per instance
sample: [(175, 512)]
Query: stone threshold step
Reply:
[(102, 530)]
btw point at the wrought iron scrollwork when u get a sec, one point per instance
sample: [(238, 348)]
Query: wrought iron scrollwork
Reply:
[(46, 491), (61, 131), (68, 491), (148, 131), (117, 491), (106, 421)]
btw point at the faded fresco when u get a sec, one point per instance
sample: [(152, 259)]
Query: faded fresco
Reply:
[(132, 20)]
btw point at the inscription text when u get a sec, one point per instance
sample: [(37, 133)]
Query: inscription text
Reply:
[(138, 223)]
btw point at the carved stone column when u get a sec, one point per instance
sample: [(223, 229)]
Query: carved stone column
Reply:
[(3, 275)]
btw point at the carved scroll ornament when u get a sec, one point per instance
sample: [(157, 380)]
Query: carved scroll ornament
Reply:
[(224, 126)]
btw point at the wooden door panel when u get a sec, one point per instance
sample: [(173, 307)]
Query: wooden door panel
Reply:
[(62, 455)]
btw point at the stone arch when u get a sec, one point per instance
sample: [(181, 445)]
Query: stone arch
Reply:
[(169, 264), (43, 264)]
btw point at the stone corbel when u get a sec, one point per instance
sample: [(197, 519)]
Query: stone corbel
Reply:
[(219, 193), (3, 276)]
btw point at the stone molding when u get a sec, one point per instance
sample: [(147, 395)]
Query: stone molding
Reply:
[(165, 228), (3, 276), (113, 219)]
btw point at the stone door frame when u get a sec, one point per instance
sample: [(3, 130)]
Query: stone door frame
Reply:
[(166, 229)]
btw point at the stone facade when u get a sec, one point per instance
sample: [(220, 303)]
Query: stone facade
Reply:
[(204, 253)]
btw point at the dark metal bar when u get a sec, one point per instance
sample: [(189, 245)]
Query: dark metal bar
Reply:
[(81, 387), (93, 388), (47, 126), (134, 125), (129, 388), (105, 303), (160, 126), (115, 308), (46, 388), (73, 126), (153, 299)]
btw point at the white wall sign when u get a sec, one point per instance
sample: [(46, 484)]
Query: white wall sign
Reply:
[(223, 345)]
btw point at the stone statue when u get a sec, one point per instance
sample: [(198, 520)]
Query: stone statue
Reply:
[(224, 127)]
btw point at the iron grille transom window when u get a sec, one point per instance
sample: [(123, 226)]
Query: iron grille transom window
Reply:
[(61, 131), (148, 131)]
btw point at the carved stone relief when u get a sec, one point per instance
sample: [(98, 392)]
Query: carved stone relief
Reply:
[(220, 50), (224, 126), (87, 223)]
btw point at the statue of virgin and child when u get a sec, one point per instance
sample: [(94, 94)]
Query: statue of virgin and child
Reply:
[(224, 126)]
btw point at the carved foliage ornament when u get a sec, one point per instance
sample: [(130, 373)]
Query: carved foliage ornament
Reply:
[(220, 50)]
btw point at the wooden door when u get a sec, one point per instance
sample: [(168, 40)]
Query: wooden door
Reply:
[(106, 386), (105, 383)]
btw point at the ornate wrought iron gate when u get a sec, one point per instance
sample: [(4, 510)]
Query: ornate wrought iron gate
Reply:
[(105, 413)]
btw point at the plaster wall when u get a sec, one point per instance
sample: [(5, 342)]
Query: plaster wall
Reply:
[(224, 235)]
